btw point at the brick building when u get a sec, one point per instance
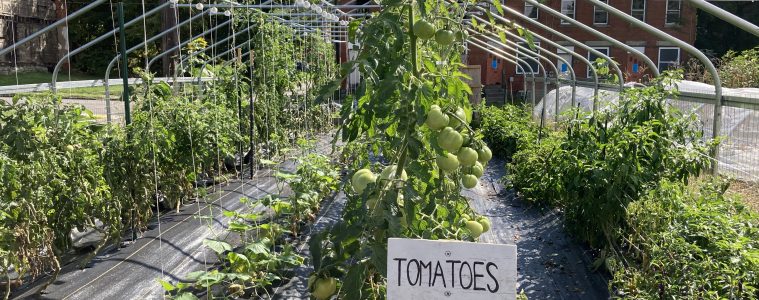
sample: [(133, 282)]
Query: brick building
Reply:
[(674, 17)]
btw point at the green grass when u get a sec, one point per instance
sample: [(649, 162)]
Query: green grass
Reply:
[(94, 93), (42, 77)]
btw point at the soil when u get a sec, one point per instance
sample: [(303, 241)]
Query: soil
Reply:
[(747, 191)]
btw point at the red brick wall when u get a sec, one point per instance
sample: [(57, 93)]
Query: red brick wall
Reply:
[(616, 28)]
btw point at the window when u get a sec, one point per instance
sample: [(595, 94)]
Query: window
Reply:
[(568, 9), (592, 57), (533, 64), (600, 16), (639, 9), (669, 57), (566, 56), (673, 12), (530, 11)]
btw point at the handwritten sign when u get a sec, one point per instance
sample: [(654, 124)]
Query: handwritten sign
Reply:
[(424, 269)]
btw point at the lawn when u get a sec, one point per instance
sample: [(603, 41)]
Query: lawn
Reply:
[(93, 93), (42, 77)]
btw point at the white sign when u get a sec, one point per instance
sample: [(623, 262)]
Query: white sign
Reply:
[(451, 270)]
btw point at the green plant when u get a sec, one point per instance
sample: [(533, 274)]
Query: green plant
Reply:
[(507, 129), (688, 242), (411, 89), (51, 181), (735, 69), (607, 160)]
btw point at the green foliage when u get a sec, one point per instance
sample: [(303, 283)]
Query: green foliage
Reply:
[(264, 257), (403, 76), (740, 70), (51, 181), (607, 160), (689, 242), (735, 69), (507, 129)]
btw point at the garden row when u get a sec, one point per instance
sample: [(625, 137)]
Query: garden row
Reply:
[(60, 170), (629, 182)]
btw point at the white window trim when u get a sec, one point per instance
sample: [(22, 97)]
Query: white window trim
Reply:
[(574, 11), (518, 68), (658, 56), (645, 5), (537, 11), (595, 10), (569, 58), (666, 12), (588, 71)]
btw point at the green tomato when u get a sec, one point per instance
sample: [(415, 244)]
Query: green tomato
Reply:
[(461, 114), (424, 30), (484, 154), (467, 156), (475, 228), (324, 288), (467, 137), (444, 37), (361, 179), (447, 162), (478, 169), (69, 148), (389, 172), (450, 140), (469, 181), (436, 119), (485, 222)]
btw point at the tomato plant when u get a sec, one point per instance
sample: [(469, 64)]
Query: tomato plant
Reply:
[(411, 115)]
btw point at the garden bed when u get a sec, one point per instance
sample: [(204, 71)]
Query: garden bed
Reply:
[(170, 249)]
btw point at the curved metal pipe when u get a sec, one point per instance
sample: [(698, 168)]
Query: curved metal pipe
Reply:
[(545, 81), (540, 66), (693, 51), (106, 84), (615, 42), (51, 26), (571, 40), (554, 55), (552, 43), (726, 16), (518, 62), (182, 44), (99, 39)]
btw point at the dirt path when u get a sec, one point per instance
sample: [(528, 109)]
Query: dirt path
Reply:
[(550, 264)]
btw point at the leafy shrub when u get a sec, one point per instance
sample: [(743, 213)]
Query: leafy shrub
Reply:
[(536, 170), (690, 243), (506, 129), (607, 160), (51, 181), (735, 69)]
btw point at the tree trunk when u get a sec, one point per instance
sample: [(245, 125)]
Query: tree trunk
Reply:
[(169, 20)]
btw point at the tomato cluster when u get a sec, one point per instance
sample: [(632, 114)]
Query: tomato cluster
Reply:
[(460, 151)]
